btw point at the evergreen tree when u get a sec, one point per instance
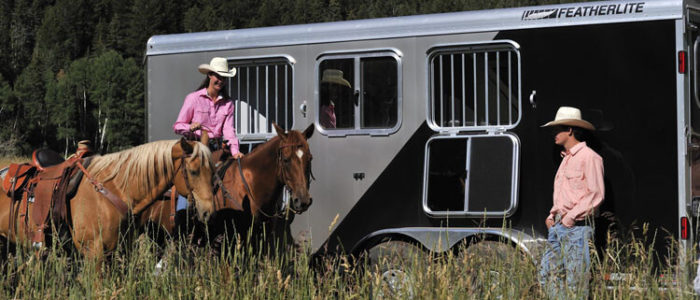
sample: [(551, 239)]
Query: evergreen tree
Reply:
[(206, 17), (10, 119), (61, 37), (148, 18), (32, 114), (116, 92), (5, 21), (26, 18)]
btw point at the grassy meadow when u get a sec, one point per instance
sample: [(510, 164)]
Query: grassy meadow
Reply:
[(625, 270), (243, 273)]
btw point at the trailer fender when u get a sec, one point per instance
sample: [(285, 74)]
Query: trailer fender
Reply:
[(438, 240)]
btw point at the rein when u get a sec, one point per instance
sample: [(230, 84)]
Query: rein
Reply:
[(116, 201), (173, 191)]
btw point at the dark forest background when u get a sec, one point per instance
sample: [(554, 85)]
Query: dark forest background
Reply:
[(72, 69)]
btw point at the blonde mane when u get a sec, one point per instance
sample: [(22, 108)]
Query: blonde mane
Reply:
[(137, 170)]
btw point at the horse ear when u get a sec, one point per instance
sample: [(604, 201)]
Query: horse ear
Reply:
[(280, 131), (186, 147), (309, 131)]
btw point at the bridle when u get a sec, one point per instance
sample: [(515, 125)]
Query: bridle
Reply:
[(282, 176), (184, 175)]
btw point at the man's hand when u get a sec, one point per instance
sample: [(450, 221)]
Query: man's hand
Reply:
[(237, 155), (549, 223)]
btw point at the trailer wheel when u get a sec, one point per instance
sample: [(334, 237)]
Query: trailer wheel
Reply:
[(395, 263), (490, 263)]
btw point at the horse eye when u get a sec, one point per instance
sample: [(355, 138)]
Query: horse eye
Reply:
[(194, 173)]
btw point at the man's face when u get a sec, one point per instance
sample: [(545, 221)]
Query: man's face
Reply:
[(561, 134)]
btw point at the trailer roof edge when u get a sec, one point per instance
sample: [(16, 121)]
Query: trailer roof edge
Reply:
[(572, 14)]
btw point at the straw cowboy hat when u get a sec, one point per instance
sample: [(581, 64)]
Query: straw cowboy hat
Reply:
[(334, 76), (570, 116), (218, 65), (85, 145)]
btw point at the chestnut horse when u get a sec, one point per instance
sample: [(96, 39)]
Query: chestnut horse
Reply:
[(137, 176), (285, 160)]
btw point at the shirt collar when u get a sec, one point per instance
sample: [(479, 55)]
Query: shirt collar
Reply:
[(575, 149), (205, 93)]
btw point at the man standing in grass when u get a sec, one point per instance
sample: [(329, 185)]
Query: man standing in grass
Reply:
[(578, 192)]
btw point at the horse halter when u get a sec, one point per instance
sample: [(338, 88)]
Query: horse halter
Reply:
[(282, 176), (184, 173)]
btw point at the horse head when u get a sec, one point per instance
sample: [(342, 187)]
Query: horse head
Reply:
[(294, 165), (194, 167)]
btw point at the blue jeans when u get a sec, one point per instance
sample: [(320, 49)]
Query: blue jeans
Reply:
[(567, 257), (181, 203)]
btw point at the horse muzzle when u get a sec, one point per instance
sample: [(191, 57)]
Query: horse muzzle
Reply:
[(300, 205)]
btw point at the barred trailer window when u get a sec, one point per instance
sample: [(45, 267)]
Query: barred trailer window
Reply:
[(262, 90), (474, 86)]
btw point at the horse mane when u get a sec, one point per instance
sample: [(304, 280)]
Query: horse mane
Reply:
[(292, 134), (140, 168)]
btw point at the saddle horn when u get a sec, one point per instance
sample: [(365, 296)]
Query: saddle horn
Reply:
[(205, 137)]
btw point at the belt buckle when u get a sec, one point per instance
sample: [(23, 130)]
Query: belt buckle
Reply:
[(557, 218)]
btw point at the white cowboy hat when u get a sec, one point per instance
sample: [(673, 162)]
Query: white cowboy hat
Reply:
[(218, 65), (334, 76), (570, 116)]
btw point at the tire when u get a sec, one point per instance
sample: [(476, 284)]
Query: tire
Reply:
[(497, 268), (395, 262)]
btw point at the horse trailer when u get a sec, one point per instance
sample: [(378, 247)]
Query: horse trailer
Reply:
[(428, 126)]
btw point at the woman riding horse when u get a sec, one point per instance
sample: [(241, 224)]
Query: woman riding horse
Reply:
[(207, 111)]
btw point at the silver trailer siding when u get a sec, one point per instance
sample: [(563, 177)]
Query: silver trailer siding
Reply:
[(171, 62)]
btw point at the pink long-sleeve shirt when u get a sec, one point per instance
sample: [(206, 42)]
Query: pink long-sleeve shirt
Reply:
[(578, 185), (215, 116)]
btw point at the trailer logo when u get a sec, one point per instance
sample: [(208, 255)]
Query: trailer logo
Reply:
[(583, 11)]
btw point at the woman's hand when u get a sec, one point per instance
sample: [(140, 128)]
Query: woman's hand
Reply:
[(195, 126), (237, 155)]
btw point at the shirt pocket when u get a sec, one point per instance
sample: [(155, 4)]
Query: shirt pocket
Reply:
[(201, 115), (221, 115), (575, 179)]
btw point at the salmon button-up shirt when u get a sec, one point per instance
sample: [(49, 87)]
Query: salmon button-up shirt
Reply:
[(578, 186), (215, 116)]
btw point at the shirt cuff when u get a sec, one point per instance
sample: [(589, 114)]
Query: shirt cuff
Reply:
[(234, 150)]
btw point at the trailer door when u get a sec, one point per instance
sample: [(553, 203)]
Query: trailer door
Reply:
[(472, 161)]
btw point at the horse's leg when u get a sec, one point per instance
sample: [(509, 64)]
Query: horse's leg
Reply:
[(5, 203), (95, 224)]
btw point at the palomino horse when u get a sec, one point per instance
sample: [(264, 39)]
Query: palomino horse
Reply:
[(137, 176), (285, 160)]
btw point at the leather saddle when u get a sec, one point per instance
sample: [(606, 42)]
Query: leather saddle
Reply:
[(43, 186)]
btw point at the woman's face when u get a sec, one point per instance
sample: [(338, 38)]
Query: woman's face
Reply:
[(216, 81)]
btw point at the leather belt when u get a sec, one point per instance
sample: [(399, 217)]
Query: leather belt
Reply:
[(558, 217)]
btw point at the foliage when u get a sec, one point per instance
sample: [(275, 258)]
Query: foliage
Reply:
[(68, 67)]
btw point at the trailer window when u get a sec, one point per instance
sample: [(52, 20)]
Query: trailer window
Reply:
[(475, 86), (262, 90), (471, 176), (359, 93)]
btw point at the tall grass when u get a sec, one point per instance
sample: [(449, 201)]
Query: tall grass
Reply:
[(244, 273)]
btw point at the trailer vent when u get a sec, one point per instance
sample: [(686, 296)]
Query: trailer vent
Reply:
[(262, 90), (474, 86)]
